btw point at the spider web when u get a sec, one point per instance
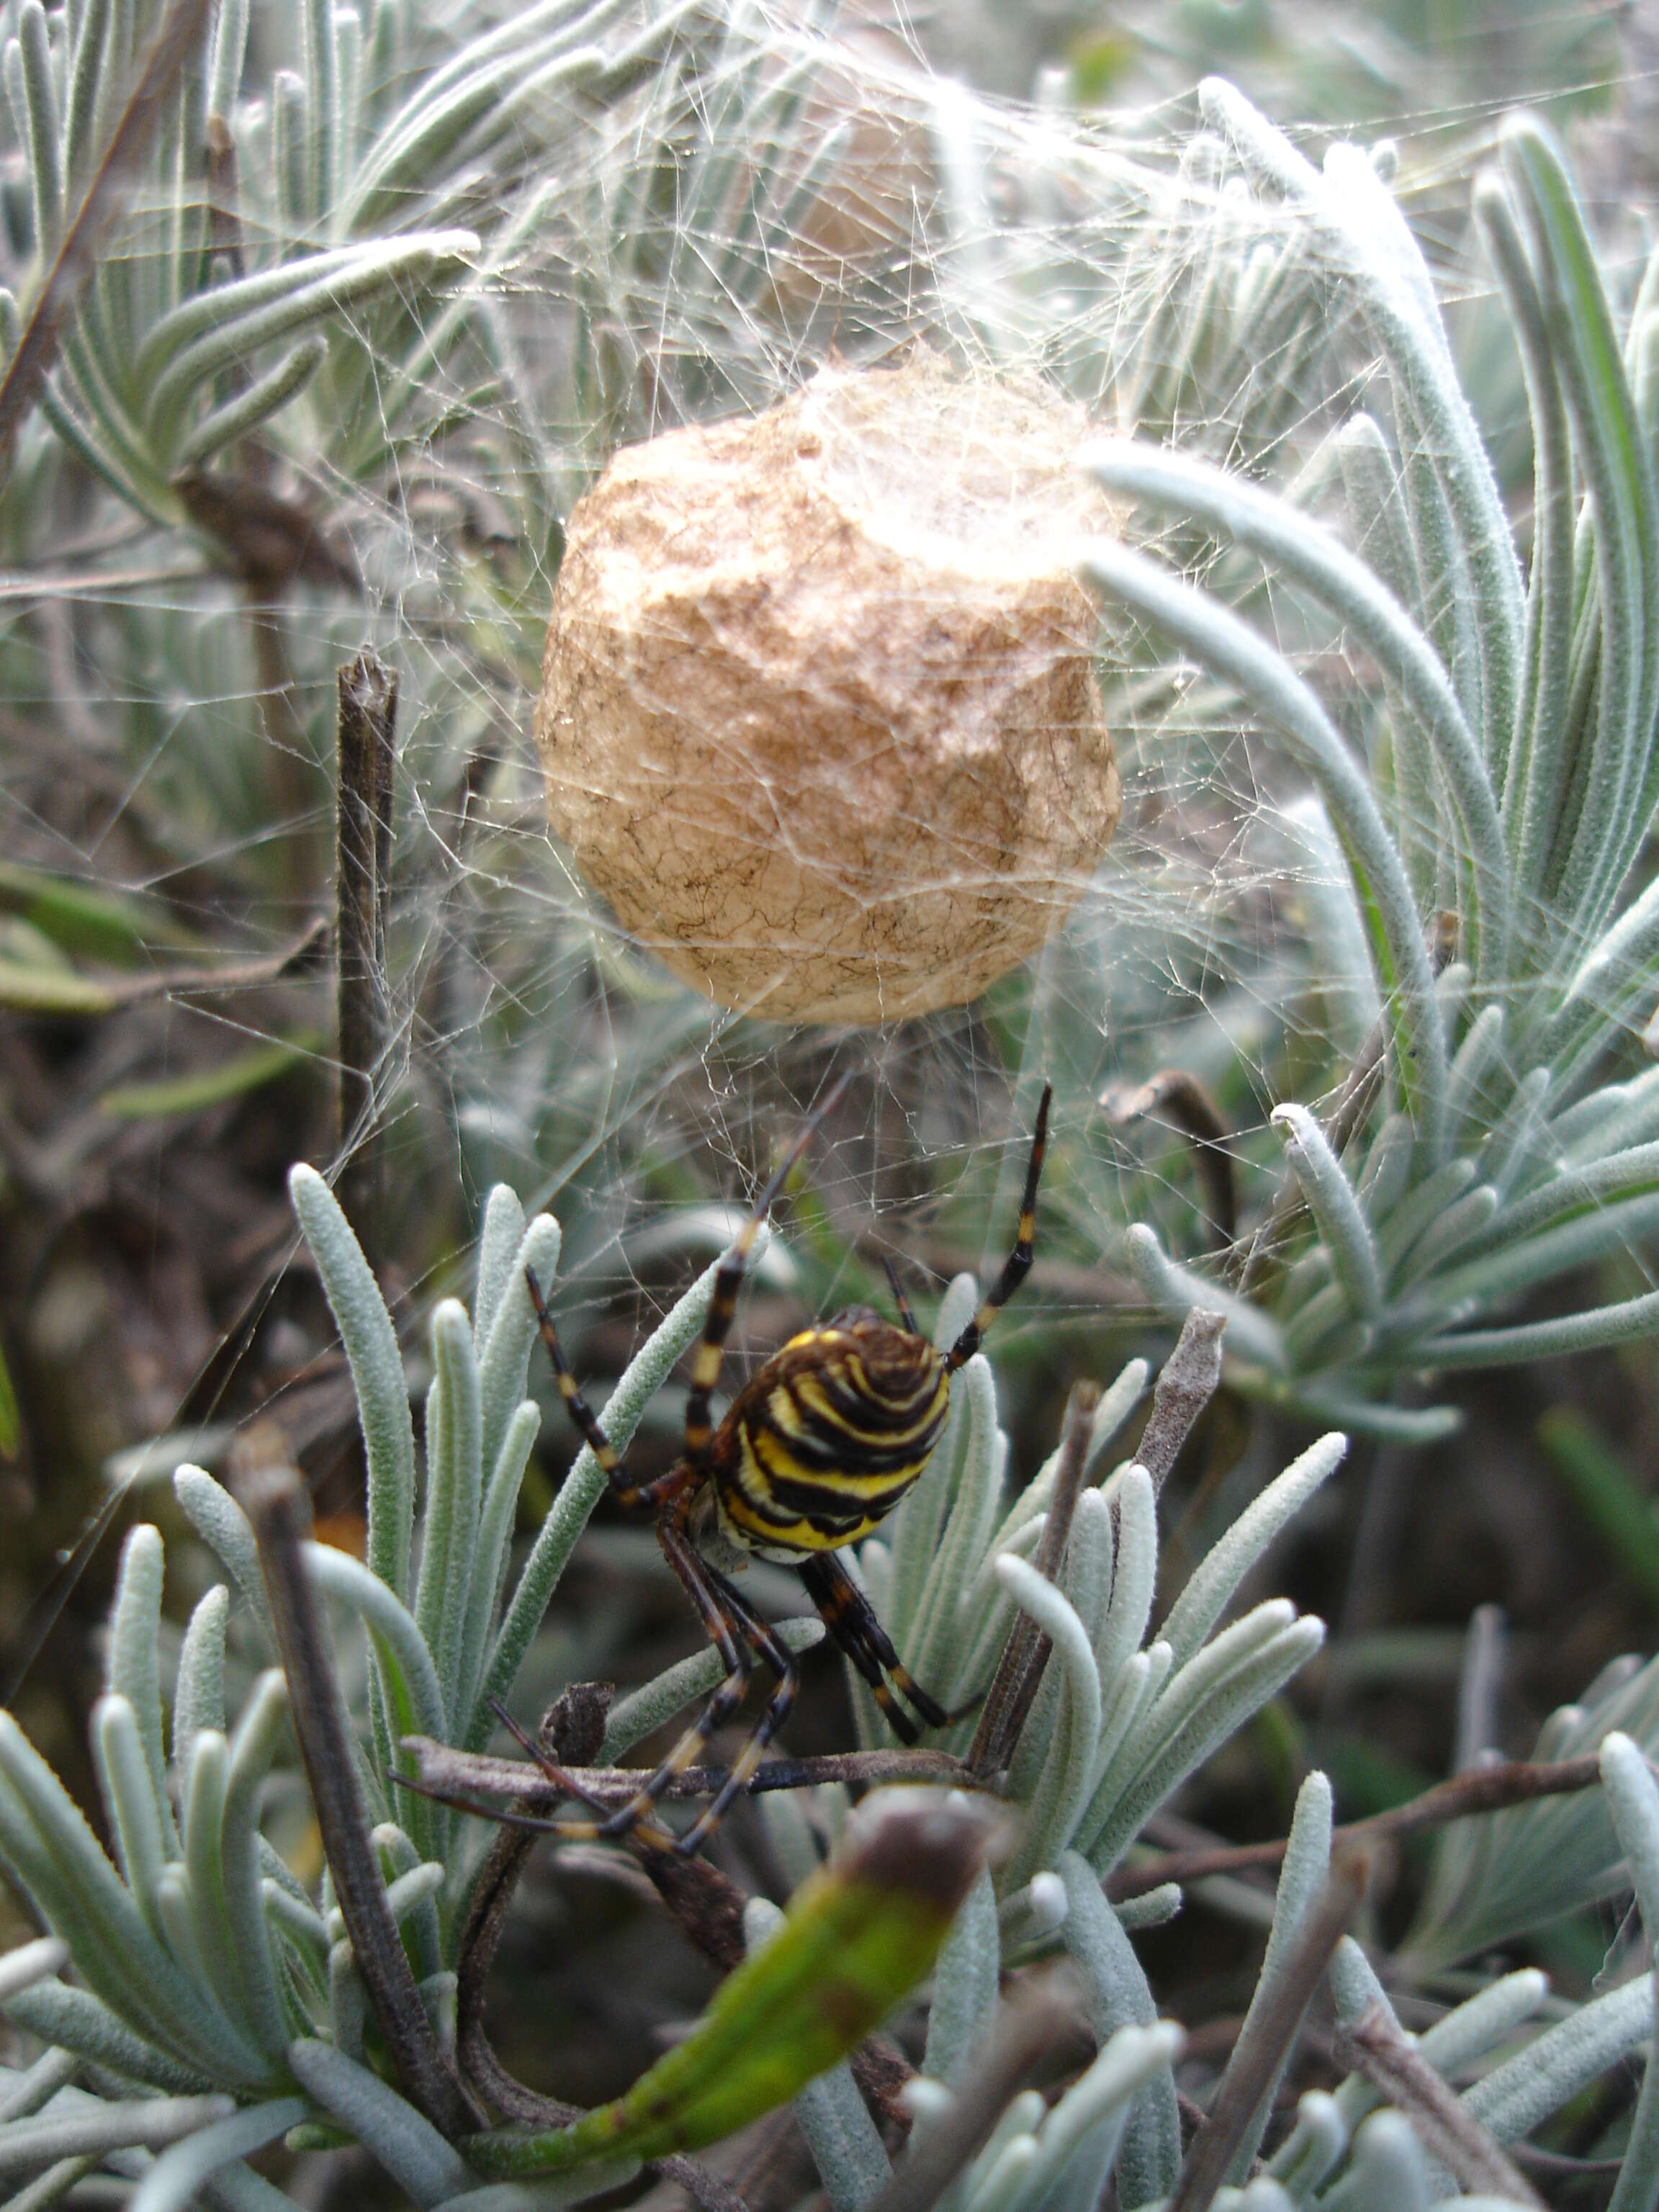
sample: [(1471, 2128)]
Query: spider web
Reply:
[(784, 194)]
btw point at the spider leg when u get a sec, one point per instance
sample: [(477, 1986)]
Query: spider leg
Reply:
[(769, 1648), (647, 1832), (522, 1735), (1018, 1265), (727, 1633), (560, 1775), (852, 1621), (726, 1610), (740, 1636), (899, 1298), (504, 1816), (706, 1366), (633, 1496)]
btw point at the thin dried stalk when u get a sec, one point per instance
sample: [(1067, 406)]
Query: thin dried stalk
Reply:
[(1447, 2130), (1031, 2025), (1189, 1379), (365, 772), (1481, 1790), (441, 1772), (1019, 1671), (270, 543), (1182, 1098), (572, 1730), (277, 1504), (1269, 2034)]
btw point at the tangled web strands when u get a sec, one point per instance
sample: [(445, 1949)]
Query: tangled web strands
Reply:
[(1432, 732), (466, 265)]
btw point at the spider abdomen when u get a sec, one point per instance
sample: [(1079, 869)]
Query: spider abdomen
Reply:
[(824, 1441)]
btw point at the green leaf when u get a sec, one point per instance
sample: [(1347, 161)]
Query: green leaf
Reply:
[(1606, 1494), (211, 1086), (1099, 62), (79, 919), (858, 1935), (27, 990)]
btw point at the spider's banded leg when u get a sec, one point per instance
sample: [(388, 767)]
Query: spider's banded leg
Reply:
[(727, 1617), (771, 1649), (864, 1657), (706, 1366), (835, 1598), (544, 1760), (512, 1816), (647, 1832), (1018, 1265), (633, 1496), (853, 1622), (899, 1298), (723, 1632)]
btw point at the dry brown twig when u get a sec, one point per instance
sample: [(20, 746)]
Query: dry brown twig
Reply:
[(1446, 2128), (571, 1732), (109, 995), (1182, 1099), (1031, 2024), (1025, 1655), (269, 543), (1268, 2033), (1186, 1381), (442, 1771), (275, 1499), (365, 780), (706, 1904), (1481, 1790)]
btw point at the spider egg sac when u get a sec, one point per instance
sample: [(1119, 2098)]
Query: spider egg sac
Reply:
[(818, 713)]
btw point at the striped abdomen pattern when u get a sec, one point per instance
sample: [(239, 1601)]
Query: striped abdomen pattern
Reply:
[(820, 1446)]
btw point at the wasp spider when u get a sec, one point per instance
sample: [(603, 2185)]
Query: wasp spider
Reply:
[(814, 1452)]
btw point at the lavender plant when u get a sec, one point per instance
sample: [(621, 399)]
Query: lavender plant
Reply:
[(310, 267), (1505, 775), (204, 1969), (217, 2003)]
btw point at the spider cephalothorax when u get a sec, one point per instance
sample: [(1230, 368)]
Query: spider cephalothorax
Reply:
[(814, 1452)]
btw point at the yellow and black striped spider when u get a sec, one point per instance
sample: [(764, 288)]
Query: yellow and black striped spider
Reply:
[(816, 1450)]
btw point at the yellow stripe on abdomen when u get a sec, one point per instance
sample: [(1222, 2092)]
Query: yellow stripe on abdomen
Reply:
[(816, 1409), (770, 1458), (799, 1535), (771, 1498)]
